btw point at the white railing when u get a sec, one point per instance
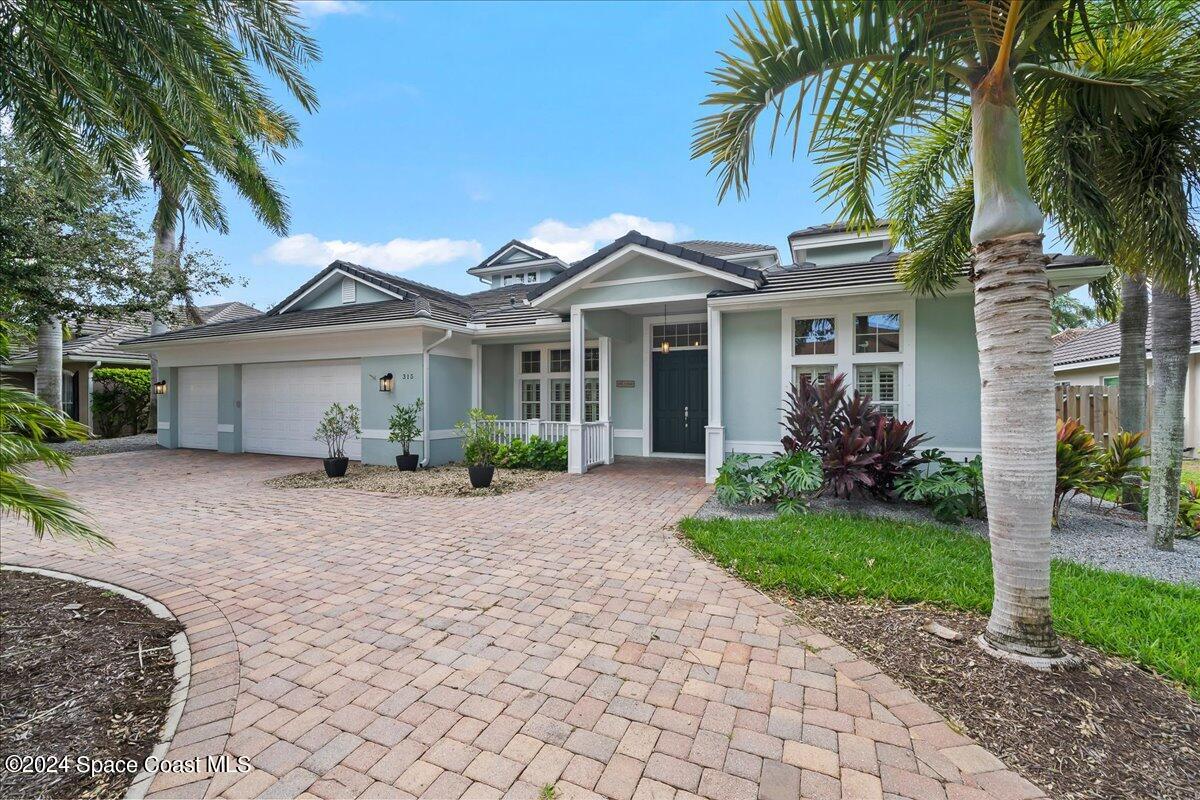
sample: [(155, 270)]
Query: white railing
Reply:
[(510, 429), (596, 443), (553, 431)]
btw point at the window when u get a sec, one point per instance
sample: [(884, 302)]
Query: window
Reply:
[(531, 399), (531, 277), (1112, 380), (877, 333), (560, 400), (681, 334), (591, 359), (531, 362), (813, 337), (880, 383), (591, 399), (816, 375), (560, 360)]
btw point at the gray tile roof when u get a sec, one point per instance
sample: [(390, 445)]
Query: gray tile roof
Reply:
[(1104, 342), (505, 246), (828, 227), (724, 249)]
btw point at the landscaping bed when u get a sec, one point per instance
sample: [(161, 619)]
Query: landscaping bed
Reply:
[(100, 447), (450, 480), (84, 672)]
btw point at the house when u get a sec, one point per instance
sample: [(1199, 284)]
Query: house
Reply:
[(1092, 357), (644, 348), (96, 344)]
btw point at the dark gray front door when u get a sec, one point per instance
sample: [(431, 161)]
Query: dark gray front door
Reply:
[(680, 401)]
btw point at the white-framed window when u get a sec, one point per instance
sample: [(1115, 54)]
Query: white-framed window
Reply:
[(531, 362), (815, 336), (591, 399), (560, 399), (679, 334), (877, 333), (560, 360), (817, 374), (531, 399), (880, 383), (1111, 380), (531, 277)]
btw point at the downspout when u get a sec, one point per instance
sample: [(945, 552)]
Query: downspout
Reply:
[(425, 395)]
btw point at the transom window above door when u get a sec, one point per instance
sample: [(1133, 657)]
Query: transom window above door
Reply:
[(813, 337), (680, 334), (877, 333)]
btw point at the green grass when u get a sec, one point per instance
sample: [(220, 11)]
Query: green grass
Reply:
[(1153, 623), (1191, 471)]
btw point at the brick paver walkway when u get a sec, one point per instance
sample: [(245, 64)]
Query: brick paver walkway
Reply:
[(359, 645)]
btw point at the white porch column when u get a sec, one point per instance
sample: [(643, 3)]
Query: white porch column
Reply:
[(606, 395), (714, 432), (575, 460), (477, 377)]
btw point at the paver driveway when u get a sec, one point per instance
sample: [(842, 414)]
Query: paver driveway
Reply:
[(352, 644)]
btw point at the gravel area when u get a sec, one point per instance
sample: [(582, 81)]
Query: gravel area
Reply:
[(99, 447), (1100, 537), (446, 481)]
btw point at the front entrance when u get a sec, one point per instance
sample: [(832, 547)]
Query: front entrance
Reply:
[(680, 401)]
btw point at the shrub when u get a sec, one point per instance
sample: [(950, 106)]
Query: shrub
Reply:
[(120, 401), (1189, 511), (404, 426), (787, 480), (859, 447), (537, 453), (953, 490), (1119, 466), (1083, 466), (480, 436), (337, 426)]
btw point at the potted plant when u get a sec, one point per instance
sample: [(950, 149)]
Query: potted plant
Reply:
[(404, 427), (480, 444), (339, 424)]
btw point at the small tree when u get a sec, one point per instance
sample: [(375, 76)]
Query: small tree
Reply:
[(337, 426), (479, 438), (404, 425)]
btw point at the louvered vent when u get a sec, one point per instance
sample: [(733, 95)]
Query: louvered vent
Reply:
[(348, 290)]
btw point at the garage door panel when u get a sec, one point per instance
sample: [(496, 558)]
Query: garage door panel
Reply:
[(283, 403), (197, 407)]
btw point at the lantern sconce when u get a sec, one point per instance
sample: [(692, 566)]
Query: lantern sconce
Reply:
[(160, 387), (386, 382)]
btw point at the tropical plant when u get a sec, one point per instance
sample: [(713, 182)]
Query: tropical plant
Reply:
[(1121, 469), (480, 438), (27, 425), (337, 426), (536, 453), (405, 424), (787, 479), (1078, 461), (953, 490), (882, 72), (120, 401), (1189, 511)]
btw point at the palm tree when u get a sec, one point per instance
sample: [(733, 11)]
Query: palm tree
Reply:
[(879, 72), (47, 382)]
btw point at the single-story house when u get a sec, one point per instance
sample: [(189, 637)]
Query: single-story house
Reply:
[(1091, 357), (644, 348), (95, 343)]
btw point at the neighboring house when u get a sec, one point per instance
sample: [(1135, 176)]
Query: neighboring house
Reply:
[(96, 344), (1092, 358), (644, 348)]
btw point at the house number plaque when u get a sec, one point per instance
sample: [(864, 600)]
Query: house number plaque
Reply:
[(625, 384)]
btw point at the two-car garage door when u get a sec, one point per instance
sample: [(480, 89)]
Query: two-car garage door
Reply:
[(282, 404)]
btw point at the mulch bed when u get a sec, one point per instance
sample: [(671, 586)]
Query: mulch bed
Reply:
[(1110, 730), (450, 480), (84, 672)]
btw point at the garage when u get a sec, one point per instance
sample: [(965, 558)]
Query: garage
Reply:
[(282, 404), (198, 407)]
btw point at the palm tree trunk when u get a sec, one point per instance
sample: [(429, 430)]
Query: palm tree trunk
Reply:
[(48, 380), (1013, 327), (1171, 340), (163, 258), (1132, 372)]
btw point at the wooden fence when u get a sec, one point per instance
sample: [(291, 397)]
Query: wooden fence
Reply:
[(1097, 407)]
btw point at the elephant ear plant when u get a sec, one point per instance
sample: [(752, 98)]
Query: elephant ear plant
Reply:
[(337, 426), (403, 427)]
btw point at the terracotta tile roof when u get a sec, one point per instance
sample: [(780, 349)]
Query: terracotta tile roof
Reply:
[(1097, 344)]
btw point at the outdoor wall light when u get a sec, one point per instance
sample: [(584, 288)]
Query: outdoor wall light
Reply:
[(665, 347), (160, 387), (385, 382)]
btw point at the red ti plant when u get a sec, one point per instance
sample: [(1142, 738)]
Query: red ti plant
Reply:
[(860, 448)]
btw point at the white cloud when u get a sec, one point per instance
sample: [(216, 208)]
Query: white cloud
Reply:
[(398, 255), (573, 242), (325, 8)]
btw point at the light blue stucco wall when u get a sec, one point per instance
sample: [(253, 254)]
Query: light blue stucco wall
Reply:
[(948, 372), (751, 372), (449, 391), (650, 289), (229, 407), (377, 406), (844, 253), (333, 296), (627, 365), (168, 408), (497, 379)]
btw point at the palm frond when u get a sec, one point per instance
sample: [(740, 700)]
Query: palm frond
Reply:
[(942, 254)]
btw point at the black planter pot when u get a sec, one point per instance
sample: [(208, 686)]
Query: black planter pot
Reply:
[(407, 462), (336, 467), (481, 477)]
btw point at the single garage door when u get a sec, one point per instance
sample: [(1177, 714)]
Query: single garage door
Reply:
[(198, 407), (282, 404)]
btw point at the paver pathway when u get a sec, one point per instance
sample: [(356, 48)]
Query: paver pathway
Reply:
[(359, 645)]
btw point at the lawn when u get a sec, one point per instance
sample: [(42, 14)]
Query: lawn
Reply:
[(1191, 471), (1153, 623)]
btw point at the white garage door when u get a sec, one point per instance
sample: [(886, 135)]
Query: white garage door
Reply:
[(198, 407), (282, 404)]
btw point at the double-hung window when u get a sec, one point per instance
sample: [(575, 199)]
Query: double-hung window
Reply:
[(545, 388), (881, 384)]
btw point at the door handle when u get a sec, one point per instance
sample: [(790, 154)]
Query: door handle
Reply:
[(685, 416)]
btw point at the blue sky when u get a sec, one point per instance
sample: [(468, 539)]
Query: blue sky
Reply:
[(447, 129)]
